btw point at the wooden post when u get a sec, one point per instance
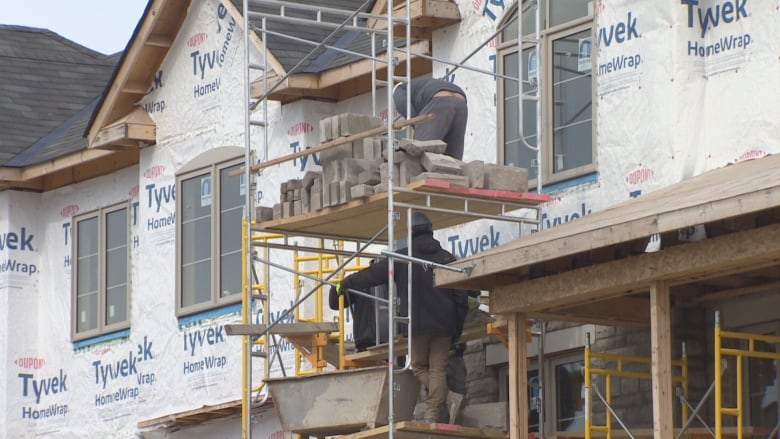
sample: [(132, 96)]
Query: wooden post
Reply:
[(518, 377), (661, 370)]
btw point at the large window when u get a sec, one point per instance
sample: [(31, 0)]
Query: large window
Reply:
[(210, 204), (100, 301), (560, 68)]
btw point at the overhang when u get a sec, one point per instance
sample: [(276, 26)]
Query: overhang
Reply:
[(598, 268)]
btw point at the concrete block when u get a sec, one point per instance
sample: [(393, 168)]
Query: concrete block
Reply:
[(384, 171), (506, 178), (486, 415), (308, 179), (263, 213), (325, 194), (287, 209), (331, 171), (352, 123), (315, 196), (333, 188), (345, 192), (297, 207), (417, 148), (294, 184), (372, 148), (408, 170), (441, 163), (336, 153), (381, 187), (370, 177), (475, 171), (296, 194), (458, 180), (277, 211), (352, 168), (283, 189), (361, 191), (325, 130)]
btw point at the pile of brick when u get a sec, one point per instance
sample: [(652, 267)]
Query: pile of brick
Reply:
[(360, 169)]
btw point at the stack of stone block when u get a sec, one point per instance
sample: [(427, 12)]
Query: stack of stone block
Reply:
[(360, 169)]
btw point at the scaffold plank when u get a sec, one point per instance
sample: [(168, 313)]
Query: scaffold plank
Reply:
[(419, 430)]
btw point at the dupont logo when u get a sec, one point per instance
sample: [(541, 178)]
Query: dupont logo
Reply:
[(154, 171), (197, 39), (69, 210), (639, 175), (30, 362), (101, 351), (300, 128), (133, 192), (750, 155)]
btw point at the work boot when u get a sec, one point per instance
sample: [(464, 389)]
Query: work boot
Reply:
[(455, 404)]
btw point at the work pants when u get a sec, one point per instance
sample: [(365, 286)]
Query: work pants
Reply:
[(430, 354)]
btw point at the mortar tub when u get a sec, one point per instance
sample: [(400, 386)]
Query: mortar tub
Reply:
[(342, 402)]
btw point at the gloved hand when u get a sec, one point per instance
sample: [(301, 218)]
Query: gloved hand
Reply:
[(335, 289)]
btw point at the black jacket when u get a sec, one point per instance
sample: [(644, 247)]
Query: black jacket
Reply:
[(363, 309), (435, 311)]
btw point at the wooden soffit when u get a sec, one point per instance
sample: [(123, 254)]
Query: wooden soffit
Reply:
[(138, 68), (135, 130), (342, 82)]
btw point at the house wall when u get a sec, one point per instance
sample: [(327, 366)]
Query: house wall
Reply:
[(674, 115)]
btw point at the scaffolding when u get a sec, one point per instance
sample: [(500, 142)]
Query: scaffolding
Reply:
[(445, 204)]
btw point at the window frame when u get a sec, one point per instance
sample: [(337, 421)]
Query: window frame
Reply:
[(210, 163), (545, 71), (103, 327)]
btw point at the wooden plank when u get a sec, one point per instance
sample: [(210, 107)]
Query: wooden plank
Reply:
[(518, 377), (379, 353), (731, 191), (418, 430), (661, 362), (707, 258), (283, 329)]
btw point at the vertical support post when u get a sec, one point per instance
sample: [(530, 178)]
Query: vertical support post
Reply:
[(718, 379), (588, 384), (661, 364), (518, 377)]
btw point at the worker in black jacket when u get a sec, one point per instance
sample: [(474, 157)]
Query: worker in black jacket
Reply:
[(434, 310)]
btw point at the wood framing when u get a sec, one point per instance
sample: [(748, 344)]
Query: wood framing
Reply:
[(132, 131), (709, 197), (661, 363), (518, 377)]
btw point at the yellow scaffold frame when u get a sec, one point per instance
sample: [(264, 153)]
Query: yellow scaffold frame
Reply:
[(620, 371), (739, 354)]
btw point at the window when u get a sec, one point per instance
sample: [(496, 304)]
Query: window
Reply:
[(564, 73), (210, 205), (100, 298), (563, 395)]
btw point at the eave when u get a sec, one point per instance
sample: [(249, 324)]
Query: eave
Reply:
[(342, 82), (136, 73)]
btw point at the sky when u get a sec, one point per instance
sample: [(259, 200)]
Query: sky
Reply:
[(102, 25)]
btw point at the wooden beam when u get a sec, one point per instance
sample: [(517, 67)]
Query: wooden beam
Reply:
[(159, 40), (518, 377), (661, 360), (711, 257), (737, 292), (135, 87), (703, 199), (272, 61), (631, 311), (132, 130)]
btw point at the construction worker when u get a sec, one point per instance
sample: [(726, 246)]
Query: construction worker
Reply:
[(446, 101), (434, 310)]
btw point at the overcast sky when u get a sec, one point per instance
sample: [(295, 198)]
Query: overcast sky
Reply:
[(102, 25)]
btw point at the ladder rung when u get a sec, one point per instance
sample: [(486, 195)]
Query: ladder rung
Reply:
[(256, 67), (257, 123), (260, 296), (260, 354)]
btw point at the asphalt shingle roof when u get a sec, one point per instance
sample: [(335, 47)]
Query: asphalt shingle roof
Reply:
[(47, 84)]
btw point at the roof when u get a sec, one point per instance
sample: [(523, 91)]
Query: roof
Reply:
[(568, 271), (49, 87)]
